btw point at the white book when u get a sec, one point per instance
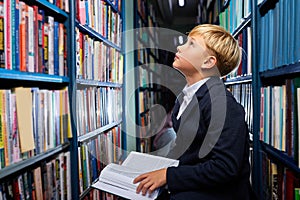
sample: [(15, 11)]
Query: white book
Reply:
[(298, 111), (51, 45), (30, 39), (118, 179), (68, 179)]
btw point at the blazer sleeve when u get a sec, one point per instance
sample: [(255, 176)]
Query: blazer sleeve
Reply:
[(224, 162)]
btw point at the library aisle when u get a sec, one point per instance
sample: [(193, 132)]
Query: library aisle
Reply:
[(84, 83)]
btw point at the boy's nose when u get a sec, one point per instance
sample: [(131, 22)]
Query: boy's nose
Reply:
[(178, 49)]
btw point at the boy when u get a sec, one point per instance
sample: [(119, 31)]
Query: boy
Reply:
[(212, 142)]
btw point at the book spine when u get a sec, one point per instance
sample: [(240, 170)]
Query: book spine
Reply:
[(41, 16), (13, 33), (46, 45), (51, 45), (30, 39), (22, 36), (61, 49), (2, 33), (56, 46), (7, 35), (17, 36)]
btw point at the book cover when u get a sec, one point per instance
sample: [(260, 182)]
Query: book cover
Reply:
[(24, 115)]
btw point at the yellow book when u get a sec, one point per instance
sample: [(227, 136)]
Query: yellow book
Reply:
[(24, 116)]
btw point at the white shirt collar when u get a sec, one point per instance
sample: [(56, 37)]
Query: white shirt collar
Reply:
[(189, 92)]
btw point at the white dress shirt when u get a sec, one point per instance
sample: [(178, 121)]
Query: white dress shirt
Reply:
[(189, 92)]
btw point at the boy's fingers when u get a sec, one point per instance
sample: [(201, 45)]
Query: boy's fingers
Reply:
[(138, 179)]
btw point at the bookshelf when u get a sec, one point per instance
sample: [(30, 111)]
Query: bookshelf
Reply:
[(98, 85), (148, 75), (56, 74), (35, 83), (275, 83), (235, 17)]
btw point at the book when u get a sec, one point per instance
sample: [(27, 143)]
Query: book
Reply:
[(118, 179)]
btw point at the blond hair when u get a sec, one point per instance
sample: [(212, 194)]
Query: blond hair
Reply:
[(221, 44)]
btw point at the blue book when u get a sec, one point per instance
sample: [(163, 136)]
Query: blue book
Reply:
[(87, 12), (93, 160), (292, 18), (280, 37), (285, 31), (56, 55), (260, 45), (275, 35), (270, 38)]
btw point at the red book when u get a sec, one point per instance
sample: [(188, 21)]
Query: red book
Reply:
[(22, 32)]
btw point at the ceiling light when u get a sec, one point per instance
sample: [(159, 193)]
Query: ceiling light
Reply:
[(180, 39), (181, 3)]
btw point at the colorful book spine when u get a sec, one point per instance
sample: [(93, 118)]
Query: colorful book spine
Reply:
[(2, 38)]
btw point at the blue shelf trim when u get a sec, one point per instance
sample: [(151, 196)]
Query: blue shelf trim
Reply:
[(23, 165), (242, 26), (291, 69), (282, 157), (92, 33), (97, 83), (98, 131), (114, 7), (239, 80), (30, 76), (52, 7)]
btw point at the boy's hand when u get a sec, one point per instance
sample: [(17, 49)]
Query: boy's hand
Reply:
[(151, 181)]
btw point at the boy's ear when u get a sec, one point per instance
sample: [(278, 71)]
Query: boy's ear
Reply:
[(209, 62)]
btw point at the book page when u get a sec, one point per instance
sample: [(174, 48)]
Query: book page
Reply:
[(145, 162), (118, 179), (119, 175)]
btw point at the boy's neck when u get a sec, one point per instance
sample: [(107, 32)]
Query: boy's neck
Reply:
[(194, 78)]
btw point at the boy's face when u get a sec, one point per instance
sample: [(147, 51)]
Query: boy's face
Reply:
[(191, 55)]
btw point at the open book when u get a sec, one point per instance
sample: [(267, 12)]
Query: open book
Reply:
[(118, 179)]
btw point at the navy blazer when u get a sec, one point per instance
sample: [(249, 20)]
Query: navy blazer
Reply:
[(212, 146)]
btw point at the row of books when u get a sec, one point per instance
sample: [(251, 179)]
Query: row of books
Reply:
[(31, 41), (147, 98), (97, 107), (62, 4), (96, 194), (142, 9), (145, 77), (279, 29), (101, 17), (235, 14), (97, 61), (279, 125), (245, 67), (50, 180), (243, 94), (32, 120), (279, 182), (94, 155)]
